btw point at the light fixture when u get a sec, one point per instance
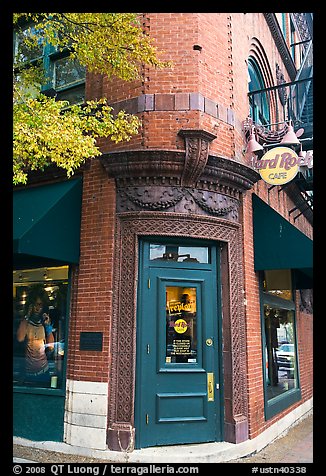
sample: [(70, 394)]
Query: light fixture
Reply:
[(253, 146), (290, 137), (302, 153), (302, 164)]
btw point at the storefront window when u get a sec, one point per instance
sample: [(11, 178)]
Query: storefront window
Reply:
[(181, 325), (281, 365), (39, 324), (280, 360)]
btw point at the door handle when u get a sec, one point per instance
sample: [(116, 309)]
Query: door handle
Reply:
[(210, 386)]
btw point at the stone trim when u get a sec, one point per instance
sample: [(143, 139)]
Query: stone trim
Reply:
[(192, 101), (139, 166), (85, 420)]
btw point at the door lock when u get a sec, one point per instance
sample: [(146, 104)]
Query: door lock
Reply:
[(210, 386), (209, 342)]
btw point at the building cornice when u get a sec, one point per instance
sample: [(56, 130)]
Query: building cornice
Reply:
[(141, 166)]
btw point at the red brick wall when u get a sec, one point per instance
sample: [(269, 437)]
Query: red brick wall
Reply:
[(217, 72), (92, 299), (305, 347), (253, 326)]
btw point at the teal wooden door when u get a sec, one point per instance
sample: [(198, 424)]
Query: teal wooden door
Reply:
[(177, 378)]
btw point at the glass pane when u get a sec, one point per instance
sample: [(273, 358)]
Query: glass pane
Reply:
[(278, 282), (67, 71), (39, 322), (180, 254), (281, 364), (27, 52), (74, 95), (181, 325)]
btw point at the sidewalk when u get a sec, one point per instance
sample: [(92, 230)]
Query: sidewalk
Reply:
[(296, 446)]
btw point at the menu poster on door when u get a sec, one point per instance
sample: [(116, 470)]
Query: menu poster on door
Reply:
[(181, 339)]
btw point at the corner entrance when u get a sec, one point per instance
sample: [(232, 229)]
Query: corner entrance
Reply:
[(178, 388)]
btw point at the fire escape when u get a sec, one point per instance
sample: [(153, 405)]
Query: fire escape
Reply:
[(291, 104)]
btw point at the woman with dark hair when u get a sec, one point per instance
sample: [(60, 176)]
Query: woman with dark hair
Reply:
[(36, 330)]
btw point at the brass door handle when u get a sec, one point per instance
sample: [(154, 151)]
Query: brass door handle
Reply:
[(210, 386)]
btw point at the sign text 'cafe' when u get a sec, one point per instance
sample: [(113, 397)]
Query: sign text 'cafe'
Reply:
[(281, 164)]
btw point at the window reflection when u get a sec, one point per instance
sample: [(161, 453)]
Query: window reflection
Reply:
[(277, 283), (281, 375), (67, 71), (280, 338), (75, 95), (180, 254), (39, 322), (181, 325), (27, 51)]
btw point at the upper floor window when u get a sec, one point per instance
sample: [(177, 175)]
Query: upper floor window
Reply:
[(259, 104), (64, 75)]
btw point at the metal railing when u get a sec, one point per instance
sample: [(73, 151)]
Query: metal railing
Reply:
[(287, 101)]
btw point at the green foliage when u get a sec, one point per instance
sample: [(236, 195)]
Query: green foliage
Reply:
[(48, 131), (43, 133)]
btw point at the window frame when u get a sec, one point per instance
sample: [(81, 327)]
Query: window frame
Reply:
[(48, 58)]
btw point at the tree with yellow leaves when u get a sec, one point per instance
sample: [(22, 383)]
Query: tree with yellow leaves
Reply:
[(48, 130)]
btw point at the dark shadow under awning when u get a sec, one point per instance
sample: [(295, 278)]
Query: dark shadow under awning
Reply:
[(280, 245), (46, 222)]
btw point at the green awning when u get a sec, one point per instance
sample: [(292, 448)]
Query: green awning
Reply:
[(46, 222), (280, 245)]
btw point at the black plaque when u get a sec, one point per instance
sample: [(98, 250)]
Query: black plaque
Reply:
[(91, 341)]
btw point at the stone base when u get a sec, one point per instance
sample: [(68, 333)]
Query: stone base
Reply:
[(238, 431), (121, 439)]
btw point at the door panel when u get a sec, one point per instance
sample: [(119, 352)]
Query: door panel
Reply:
[(177, 348)]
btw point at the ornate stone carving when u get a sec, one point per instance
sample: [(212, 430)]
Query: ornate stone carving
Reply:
[(197, 148), (170, 167), (177, 199), (149, 198)]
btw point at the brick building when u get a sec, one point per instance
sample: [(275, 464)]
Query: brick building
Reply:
[(183, 293)]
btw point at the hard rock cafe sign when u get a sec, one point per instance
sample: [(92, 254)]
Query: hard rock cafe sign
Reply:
[(281, 164)]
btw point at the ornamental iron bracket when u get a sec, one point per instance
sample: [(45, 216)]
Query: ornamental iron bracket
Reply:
[(197, 151)]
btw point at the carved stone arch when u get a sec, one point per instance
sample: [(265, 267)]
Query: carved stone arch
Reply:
[(130, 227)]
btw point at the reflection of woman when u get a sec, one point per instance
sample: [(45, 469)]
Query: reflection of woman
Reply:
[(36, 330)]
